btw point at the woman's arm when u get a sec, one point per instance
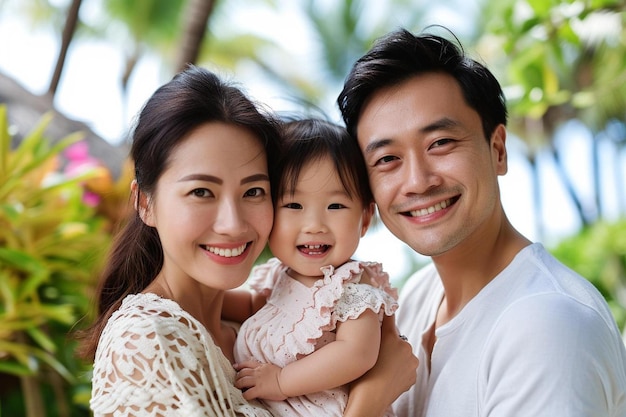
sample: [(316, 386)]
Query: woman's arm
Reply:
[(239, 304), (393, 374), (353, 353)]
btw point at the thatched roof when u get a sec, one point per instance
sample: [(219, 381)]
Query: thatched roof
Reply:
[(25, 110)]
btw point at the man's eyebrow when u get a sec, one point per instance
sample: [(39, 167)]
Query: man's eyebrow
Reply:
[(376, 144), (443, 123)]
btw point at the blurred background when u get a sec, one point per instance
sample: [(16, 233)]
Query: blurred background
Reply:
[(73, 74)]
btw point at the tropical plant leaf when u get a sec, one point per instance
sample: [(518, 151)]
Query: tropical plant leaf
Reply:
[(5, 140), (14, 368)]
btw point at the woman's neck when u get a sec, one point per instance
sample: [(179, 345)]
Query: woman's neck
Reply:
[(204, 304)]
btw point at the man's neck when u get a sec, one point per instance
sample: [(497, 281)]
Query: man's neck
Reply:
[(469, 267)]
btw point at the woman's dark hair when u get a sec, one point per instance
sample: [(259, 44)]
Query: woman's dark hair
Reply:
[(312, 139), (401, 55), (192, 98)]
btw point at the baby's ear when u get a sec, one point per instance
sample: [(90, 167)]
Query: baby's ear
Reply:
[(142, 204), (368, 215)]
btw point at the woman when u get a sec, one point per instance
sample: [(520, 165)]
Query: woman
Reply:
[(203, 157)]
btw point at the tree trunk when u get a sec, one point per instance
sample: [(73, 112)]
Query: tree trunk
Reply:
[(68, 33), (537, 200), (595, 171), (584, 215), (195, 22), (31, 390)]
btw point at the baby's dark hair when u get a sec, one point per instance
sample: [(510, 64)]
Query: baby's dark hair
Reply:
[(312, 139)]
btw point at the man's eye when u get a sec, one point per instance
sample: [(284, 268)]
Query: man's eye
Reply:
[(385, 159), (294, 206), (441, 142), (255, 192)]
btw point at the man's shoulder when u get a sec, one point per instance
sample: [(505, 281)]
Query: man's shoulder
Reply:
[(422, 290), (424, 279)]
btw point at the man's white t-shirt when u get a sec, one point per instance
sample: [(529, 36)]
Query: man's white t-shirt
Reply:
[(538, 340)]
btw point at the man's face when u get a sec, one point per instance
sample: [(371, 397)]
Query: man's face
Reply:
[(432, 172)]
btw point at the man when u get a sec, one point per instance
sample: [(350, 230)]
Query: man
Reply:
[(499, 326)]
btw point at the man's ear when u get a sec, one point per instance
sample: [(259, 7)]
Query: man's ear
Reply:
[(142, 204), (368, 215), (498, 149)]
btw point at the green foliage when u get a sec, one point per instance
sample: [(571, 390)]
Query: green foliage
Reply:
[(51, 245), (599, 254), (563, 60)]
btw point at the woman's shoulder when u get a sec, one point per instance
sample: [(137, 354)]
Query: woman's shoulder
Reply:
[(151, 325), (148, 306), (144, 314)]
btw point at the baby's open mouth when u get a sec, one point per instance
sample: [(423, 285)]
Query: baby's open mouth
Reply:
[(313, 249)]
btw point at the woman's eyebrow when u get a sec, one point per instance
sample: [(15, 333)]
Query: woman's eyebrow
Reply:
[(255, 178), (216, 180), (201, 177)]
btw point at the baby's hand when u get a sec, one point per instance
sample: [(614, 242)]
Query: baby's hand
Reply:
[(259, 380)]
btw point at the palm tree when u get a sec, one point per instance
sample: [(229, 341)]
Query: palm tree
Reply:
[(561, 74), (194, 27), (68, 33)]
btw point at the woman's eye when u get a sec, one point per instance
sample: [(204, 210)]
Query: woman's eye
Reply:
[(255, 192), (201, 192)]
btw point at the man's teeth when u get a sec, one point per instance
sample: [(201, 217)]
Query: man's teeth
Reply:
[(227, 253), (439, 206)]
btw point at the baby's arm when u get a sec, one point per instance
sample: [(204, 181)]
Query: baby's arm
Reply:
[(353, 353), (239, 304)]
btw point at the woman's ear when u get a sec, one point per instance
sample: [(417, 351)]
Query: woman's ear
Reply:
[(368, 214), (142, 204)]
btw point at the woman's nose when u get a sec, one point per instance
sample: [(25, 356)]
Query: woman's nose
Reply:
[(229, 219)]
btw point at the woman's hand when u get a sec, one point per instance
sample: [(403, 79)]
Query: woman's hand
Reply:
[(393, 374)]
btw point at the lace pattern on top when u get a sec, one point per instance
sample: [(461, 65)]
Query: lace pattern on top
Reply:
[(155, 359)]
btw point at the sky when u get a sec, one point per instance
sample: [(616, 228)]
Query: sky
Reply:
[(94, 97)]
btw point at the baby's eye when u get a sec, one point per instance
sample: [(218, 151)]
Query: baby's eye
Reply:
[(293, 206), (255, 192), (201, 192), (336, 206)]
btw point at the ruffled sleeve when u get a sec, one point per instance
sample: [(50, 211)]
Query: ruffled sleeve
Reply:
[(263, 277), (379, 297)]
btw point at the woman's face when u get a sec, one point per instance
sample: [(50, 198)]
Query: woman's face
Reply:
[(212, 207)]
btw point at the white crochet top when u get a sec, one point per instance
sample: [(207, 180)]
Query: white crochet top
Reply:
[(155, 359)]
